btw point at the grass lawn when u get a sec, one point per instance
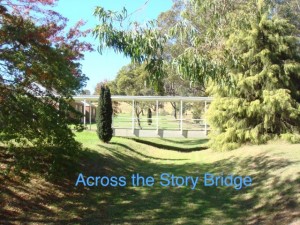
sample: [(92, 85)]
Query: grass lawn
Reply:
[(273, 198)]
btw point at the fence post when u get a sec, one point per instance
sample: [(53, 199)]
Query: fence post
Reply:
[(157, 126), (90, 115), (205, 122), (132, 118), (84, 113), (181, 116)]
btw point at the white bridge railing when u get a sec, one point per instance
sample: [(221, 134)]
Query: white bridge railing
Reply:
[(159, 126)]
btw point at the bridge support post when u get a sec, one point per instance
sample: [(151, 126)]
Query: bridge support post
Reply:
[(157, 127), (181, 116), (112, 118), (90, 115), (84, 113), (205, 121), (132, 118)]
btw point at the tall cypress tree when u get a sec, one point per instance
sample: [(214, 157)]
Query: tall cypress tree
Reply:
[(263, 100), (104, 115)]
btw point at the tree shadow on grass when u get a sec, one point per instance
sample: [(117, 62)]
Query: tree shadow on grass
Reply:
[(141, 154), (169, 147), (270, 200), (187, 141), (49, 162)]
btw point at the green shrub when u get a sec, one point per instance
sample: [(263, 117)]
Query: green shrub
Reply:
[(262, 101), (292, 138)]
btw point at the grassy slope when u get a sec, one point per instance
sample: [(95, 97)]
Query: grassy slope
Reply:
[(273, 198)]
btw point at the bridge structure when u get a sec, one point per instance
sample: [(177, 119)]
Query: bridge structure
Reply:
[(161, 124)]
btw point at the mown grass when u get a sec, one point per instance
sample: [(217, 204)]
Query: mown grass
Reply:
[(272, 199)]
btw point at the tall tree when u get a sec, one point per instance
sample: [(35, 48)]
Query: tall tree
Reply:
[(39, 72), (264, 68), (173, 83), (104, 115), (111, 85)]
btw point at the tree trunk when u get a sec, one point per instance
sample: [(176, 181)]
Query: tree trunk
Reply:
[(174, 107), (138, 112)]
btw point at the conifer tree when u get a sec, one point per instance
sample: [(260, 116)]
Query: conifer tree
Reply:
[(104, 115), (263, 100)]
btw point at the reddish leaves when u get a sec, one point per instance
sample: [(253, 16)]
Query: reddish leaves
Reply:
[(52, 25)]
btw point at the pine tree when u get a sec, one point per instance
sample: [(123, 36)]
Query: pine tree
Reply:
[(104, 115), (263, 100)]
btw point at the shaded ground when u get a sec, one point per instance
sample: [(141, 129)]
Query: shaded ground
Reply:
[(272, 199)]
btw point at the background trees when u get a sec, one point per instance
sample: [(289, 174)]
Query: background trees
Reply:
[(246, 53), (133, 79)]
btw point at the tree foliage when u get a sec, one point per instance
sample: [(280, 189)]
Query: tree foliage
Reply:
[(133, 80), (246, 52), (140, 44), (264, 68), (104, 115), (39, 72), (173, 82)]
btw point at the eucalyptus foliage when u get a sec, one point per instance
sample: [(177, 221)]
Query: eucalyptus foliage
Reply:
[(141, 44)]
